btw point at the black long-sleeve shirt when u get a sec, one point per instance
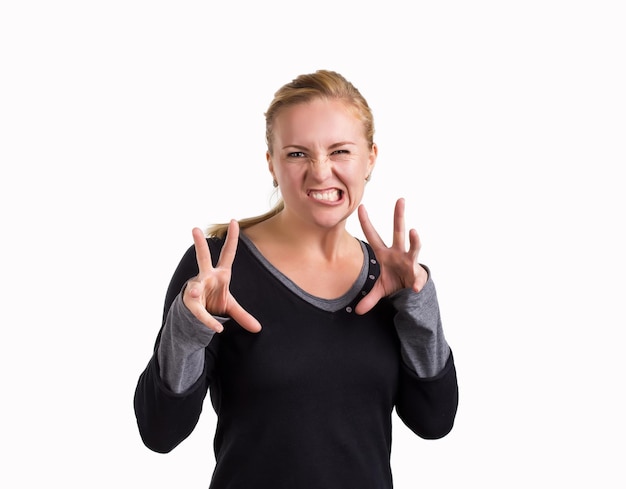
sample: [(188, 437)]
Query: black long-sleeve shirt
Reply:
[(307, 402)]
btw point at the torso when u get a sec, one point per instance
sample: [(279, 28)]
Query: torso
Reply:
[(312, 394)]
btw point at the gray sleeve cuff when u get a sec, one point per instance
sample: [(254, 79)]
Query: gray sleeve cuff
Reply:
[(181, 348), (418, 324)]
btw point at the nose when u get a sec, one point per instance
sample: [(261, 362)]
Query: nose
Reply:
[(321, 167)]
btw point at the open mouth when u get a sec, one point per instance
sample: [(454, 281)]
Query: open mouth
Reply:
[(331, 195)]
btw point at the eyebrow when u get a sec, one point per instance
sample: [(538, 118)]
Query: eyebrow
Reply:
[(332, 146)]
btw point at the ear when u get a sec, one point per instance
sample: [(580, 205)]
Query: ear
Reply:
[(270, 165), (372, 159)]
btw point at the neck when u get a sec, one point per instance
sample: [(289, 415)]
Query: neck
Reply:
[(329, 243)]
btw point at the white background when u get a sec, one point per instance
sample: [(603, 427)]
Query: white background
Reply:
[(123, 124)]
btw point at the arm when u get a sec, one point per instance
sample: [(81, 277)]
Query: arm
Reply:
[(180, 352), (168, 411), (164, 417), (418, 324), (428, 392), (428, 405)]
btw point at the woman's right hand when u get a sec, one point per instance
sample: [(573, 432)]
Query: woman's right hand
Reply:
[(208, 293)]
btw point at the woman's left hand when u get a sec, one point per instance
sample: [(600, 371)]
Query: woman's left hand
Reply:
[(399, 268)]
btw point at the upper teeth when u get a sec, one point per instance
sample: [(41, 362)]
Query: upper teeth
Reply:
[(327, 195)]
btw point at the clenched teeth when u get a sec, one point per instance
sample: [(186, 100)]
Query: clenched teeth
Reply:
[(329, 195)]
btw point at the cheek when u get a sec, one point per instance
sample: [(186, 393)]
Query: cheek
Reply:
[(360, 170), (290, 174)]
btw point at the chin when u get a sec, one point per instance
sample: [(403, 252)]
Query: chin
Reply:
[(331, 219)]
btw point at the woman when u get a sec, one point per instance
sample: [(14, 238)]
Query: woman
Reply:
[(306, 337)]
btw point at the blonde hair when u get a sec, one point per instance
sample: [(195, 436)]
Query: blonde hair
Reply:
[(322, 84)]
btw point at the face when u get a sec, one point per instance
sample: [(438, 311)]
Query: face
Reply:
[(321, 160)]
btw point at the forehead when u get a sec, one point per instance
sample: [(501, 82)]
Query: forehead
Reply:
[(319, 119)]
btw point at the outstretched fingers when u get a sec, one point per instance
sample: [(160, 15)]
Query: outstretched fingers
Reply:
[(203, 254), (377, 243), (246, 320), (398, 225), (414, 244), (227, 256), (370, 232)]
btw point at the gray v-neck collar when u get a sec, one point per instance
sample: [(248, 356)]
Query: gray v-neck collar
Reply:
[(330, 305)]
